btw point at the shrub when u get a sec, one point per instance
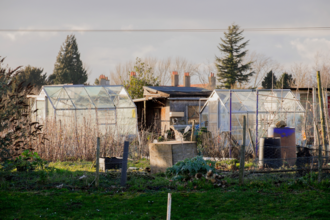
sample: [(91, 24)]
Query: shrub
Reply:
[(189, 167), (27, 161), (17, 131)]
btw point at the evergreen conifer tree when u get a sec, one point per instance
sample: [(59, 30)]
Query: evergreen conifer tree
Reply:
[(269, 81), (30, 75), (68, 67), (231, 69), (285, 81)]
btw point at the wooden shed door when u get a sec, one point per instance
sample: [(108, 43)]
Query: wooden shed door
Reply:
[(157, 119)]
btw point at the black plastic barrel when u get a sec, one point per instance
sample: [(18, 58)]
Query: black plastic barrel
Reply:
[(270, 152)]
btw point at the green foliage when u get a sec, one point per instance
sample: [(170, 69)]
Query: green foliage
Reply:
[(231, 69), (68, 67), (144, 77), (27, 161), (269, 81), (30, 75), (189, 167), (285, 81), (96, 82), (227, 162)]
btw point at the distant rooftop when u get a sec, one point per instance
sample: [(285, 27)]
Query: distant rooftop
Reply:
[(174, 91)]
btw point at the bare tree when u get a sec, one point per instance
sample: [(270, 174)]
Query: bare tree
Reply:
[(261, 65), (204, 70), (182, 65), (321, 63), (302, 75), (163, 71), (161, 68), (121, 72)]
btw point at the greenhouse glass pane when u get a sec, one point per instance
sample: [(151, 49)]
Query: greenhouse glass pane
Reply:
[(50, 110), (268, 101), (99, 97), (248, 100), (290, 103), (52, 93), (67, 118), (108, 129), (106, 116), (63, 101), (86, 118), (224, 118), (126, 121), (237, 102), (41, 110), (79, 97), (119, 97), (224, 96)]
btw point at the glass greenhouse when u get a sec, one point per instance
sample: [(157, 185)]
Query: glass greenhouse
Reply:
[(109, 108), (224, 109)]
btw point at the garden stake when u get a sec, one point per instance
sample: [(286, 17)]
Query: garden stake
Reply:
[(319, 90), (124, 166), (242, 162), (169, 204), (97, 162)]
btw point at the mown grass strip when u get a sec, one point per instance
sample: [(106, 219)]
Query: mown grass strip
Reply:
[(213, 204)]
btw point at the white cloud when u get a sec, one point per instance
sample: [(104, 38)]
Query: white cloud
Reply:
[(309, 47)]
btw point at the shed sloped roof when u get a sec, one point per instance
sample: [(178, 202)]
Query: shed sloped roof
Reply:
[(173, 91)]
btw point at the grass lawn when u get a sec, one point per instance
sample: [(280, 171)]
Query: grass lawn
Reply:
[(37, 195), (212, 204)]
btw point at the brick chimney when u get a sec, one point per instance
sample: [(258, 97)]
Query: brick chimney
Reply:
[(174, 78), (133, 75), (212, 82), (186, 80), (103, 80)]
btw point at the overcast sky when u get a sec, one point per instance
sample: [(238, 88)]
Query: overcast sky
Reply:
[(102, 51)]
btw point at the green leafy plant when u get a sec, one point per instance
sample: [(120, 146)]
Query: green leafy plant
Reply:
[(28, 160), (190, 167)]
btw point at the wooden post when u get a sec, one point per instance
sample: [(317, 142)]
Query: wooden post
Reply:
[(319, 89), (253, 147), (169, 204), (97, 162), (193, 131), (326, 118), (242, 161), (124, 166), (144, 114), (315, 116), (319, 167)]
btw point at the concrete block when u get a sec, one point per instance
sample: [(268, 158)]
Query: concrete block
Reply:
[(166, 154)]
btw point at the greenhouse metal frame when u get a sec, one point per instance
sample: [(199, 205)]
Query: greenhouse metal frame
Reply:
[(109, 107), (224, 109)]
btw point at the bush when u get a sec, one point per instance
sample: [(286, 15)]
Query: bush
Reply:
[(17, 130), (190, 167), (25, 162)]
